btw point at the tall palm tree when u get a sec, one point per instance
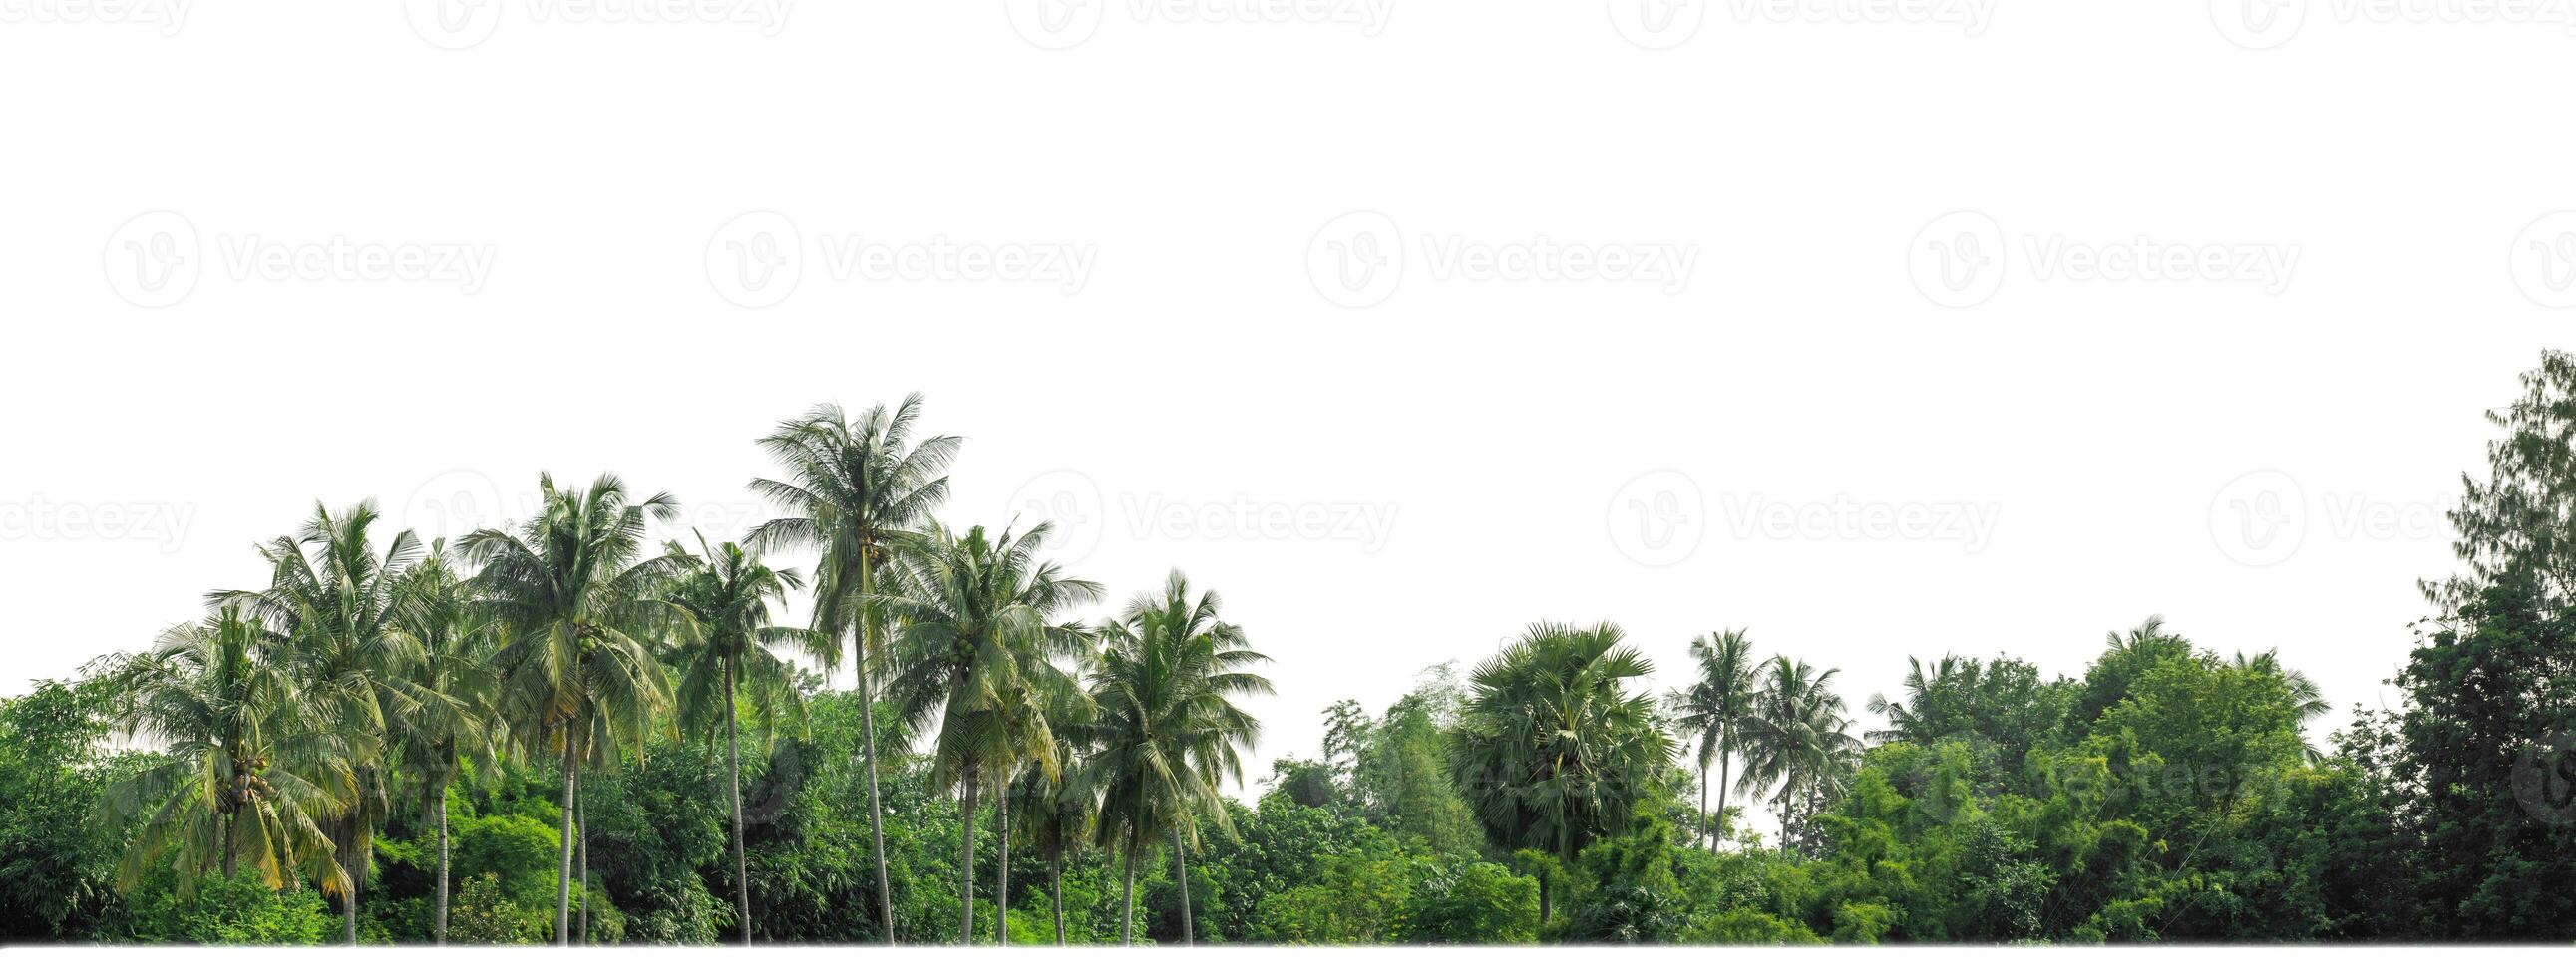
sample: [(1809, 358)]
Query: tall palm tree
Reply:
[(241, 769), (1802, 739), (723, 603), (1552, 750), (338, 606), (454, 727), (851, 489), (575, 611), (1713, 710), (1166, 730), (974, 656), (1929, 697), (2307, 701)]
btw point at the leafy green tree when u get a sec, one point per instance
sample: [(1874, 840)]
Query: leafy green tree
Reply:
[(852, 490), (1800, 738), (2513, 528), (1166, 731), (450, 727), (576, 614), (1713, 711), (1552, 750), (245, 770), (56, 866), (974, 659), (722, 598)]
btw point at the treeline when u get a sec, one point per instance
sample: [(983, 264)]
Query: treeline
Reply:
[(556, 732)]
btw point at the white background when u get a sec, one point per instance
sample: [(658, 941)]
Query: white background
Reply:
[(1548, 448)]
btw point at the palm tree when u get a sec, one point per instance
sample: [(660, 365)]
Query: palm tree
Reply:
[(2307, 701), (339, 610), (974, 656), (574, 611), (1166, 730), (723, 602), (454, 726), (1552, 750), (1801, 739), (1055, 814), (851, 490), (1714, 709), (1930, 697), (241, 768)]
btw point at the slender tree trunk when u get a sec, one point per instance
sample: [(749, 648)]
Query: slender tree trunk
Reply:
[(563, 879), (1181, 876), (1723, 760), (231, 818), (868, 751), (733, 789), (349, 907), (966, 866), (1055, 894), (1542, 897), (1703, 808), (1002, 877), (1788, 796), (581, 828), (1127, 896), (441, 929)]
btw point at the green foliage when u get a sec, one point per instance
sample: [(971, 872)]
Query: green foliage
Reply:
[(218, 910)]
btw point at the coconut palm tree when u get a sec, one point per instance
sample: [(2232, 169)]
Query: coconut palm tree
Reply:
[(851, 489), (974, 657), (1712, 711), (1054, 815), (242, 770), (1801, 737), (723, 603), (574, 612), (2307, 701), (338, 605), (1552, 751), (453, 728), (1166, 730)]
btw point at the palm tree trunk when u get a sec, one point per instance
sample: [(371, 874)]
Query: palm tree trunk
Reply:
[(1723, 772), (1542, 899), (1055, 894), (1181, 875), (581, 829), (966, 866), (441, 928), (733, 790), (868, 751), (1002, 878), (231, 818), (1127, 896), (1703, 808), (349, 909), (563, 879)]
